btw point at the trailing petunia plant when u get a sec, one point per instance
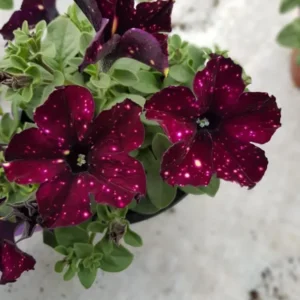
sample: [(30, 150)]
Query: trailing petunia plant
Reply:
[(113, 121)]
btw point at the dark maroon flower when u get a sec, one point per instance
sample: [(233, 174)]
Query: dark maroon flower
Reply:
[(126, 31), (13, 262), (32, 11), (73, 155), (213, 131)]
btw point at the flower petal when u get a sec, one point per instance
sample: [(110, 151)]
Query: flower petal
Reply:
[(66, 114), (117, 178), (13, 262), (219, 85), (240, 162), (257, 118), (119, 129), (189, 163), (32, 144), (144, 47), (176, 109), (32, 11), (91, 9), (33, 171), (155, 16), (7, 230), (65, 200), (98, 49)]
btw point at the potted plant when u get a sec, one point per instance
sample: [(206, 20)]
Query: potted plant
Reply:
[(114, 121), (289, 37)]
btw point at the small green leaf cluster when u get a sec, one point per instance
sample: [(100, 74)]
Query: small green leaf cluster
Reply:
[(289, 36), (94, 245)]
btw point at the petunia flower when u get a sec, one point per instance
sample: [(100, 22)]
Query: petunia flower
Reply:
[(73, 155), (32, 11), (212, 128), (126, 31), (13, 261)]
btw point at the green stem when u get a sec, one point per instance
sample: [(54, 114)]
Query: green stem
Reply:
[(39, 61), (92, 237)]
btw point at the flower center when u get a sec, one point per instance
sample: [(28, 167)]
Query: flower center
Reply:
[(81, 160), (208, 121), (202, 122), (77, 158)]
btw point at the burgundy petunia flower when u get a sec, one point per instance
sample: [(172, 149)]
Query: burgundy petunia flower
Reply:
[(126, 31), (32, 11), (13, 262), (213, 131), (73, 155)]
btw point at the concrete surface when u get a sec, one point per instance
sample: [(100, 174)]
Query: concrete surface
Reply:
[(237, 243)]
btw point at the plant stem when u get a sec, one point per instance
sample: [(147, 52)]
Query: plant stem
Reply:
[(92, 237), (39, 61)]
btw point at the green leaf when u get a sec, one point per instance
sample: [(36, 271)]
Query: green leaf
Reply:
[(62, 250), (85, 40), (144, 207), (104, 213), (35, 73), (160, 145), (210, 190), (121, 97), (105, 246), (125, 77), (27, 93), (175, 41), (127, 64), (6, 4), (181, 73), (290, 35), (87, 276), (197, 56), (68, 236), (118, 260), (59, 266), (70, 273), (18, 62), (49, 238), (132, 238), (65, 36), (83, 250), (103, 82), (287, 5), (159, 192), (147, 84), (96, 227)]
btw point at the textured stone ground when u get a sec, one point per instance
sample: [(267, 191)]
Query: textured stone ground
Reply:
[(238, 243)]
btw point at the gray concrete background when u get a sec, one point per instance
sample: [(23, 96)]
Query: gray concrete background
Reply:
[(219, 248)]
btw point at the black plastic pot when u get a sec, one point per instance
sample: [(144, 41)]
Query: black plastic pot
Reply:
[(134, 217)]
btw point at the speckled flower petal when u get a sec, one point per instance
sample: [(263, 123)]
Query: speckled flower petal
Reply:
[(32, 158), (66, 114), (32, 144), (257, 118), (219, 85), (176, 109), (240, 162), (154, 16), (33, 171), (7, 230), (91, 10), (32, 11), (118, 178), (119, 129), (144, 47), (189, 163), (13, 262), (65, 200), (98, 49)]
